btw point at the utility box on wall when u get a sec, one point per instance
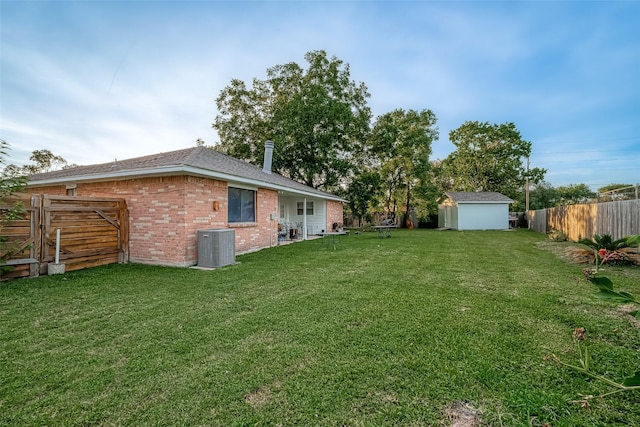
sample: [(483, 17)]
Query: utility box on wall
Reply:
[(216, 248)]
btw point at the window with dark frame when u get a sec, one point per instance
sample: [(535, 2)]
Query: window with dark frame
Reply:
[(242, 205), (300, 206)]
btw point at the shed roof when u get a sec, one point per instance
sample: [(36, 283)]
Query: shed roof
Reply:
[(478, 197), (199, 161)]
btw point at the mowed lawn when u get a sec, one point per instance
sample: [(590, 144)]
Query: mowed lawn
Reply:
[(397, 331)]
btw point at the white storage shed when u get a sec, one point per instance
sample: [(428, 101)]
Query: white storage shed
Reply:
[(474, 211)]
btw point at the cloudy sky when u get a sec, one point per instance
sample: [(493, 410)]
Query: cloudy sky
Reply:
[(95, 81)]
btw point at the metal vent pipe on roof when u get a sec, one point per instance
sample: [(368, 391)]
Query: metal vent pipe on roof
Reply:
[(268, 156)]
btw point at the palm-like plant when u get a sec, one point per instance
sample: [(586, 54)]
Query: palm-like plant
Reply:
[(605, 241), (605, 249)]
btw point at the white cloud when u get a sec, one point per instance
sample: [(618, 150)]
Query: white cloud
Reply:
[(96, 81)]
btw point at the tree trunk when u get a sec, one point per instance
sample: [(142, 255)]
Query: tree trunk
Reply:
[(407, 218)]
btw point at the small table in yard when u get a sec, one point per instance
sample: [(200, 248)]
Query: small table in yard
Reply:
[(332, 235), (384, 230)]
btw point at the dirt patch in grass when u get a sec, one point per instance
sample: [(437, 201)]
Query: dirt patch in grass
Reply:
[(260, 397), (580, 255), (624, 310), (563, 250), (461, 414), (386, 397)]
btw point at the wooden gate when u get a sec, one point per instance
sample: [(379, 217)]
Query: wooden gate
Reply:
[(93, 231), (22, 240)]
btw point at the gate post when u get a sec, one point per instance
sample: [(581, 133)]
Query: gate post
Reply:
[(36, 232)]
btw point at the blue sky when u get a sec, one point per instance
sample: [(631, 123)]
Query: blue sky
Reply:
[(94, 81)]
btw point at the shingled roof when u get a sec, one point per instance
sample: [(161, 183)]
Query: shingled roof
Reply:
[(478, 197), (199, 161)]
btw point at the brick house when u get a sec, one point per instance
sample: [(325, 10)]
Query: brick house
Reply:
[(172, 195)]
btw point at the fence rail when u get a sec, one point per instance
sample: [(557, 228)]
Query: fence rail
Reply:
[(22, 240), (618, 219), (93, 231)]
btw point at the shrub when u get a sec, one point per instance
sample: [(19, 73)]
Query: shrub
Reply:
[(605, 241), (607, 250), (558, 235)]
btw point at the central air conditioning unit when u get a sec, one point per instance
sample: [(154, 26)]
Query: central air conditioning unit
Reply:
[(216, 248)]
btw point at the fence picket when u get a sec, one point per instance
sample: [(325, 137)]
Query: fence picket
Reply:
[(618, 219), (94, 232)]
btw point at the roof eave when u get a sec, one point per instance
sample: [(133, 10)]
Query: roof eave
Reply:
[(177, 170), (483, 202)]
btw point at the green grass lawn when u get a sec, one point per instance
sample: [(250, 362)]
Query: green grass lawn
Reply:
[(379, 332)]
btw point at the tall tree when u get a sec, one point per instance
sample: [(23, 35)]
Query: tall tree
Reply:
[(317, 117), (363, 191), (401, 141), (574, 194), (490, 157), (542, 195), (44, 161)]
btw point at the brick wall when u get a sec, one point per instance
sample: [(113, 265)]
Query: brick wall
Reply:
[(334, 213), (165, 214), (264, 232)]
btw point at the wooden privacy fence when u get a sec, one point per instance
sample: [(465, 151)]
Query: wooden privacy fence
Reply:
[(22, 240), (93, 231), (618, 219)]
